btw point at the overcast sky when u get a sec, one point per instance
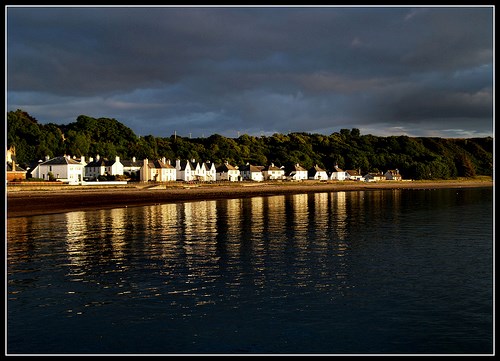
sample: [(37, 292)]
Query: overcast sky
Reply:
[(256, 70)]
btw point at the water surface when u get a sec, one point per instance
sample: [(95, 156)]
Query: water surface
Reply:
[(362, 272)]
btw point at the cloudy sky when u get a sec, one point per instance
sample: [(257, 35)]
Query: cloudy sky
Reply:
[(256, 70)]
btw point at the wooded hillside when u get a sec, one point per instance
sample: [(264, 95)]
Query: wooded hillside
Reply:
[(415, 157)]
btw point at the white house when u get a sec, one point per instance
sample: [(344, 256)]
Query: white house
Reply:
[(62, 168), (337, 174), (209, 171), (169, 173), (374, 177), (271, 172), (228, 172), (158, 171), (297, 172), (353, 175), (132, 167), (252, 172), (198, 172), (393, 175), (101, 166), (317, 173), (184, 171)]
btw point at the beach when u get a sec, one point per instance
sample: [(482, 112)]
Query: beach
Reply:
[(31, 201)]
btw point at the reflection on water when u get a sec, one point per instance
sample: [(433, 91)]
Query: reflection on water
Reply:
[(290, 268), (198, 230)]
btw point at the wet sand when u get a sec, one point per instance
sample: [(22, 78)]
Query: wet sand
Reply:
[(29, 202)]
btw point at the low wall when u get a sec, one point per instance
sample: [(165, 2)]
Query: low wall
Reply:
[(54, 186), (103, 183)]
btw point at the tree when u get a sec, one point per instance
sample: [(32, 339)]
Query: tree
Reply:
[(78, 144), (345, 132), (464, 165), (355, 132)]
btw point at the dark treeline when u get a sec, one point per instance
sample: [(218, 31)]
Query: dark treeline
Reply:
[(415, 157)]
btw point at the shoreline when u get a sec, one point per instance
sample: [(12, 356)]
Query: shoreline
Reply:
[(29, 202)]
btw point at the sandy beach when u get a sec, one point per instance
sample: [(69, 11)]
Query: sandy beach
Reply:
[(27, 201)]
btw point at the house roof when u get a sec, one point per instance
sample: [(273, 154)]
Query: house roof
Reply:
[(316, 168), (157, 164), (337, 169), (251, 168), (208, 165), (184, 163), (101, 162), (17, 168), (225, 167), (353, 173), (290, 170), (131, 163), (298, 168), (60, 161), (272, 167)]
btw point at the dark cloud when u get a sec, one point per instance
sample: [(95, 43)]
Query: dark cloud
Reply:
[(415, 71)]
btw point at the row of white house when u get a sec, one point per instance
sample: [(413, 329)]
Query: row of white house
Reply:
[(74, 171)]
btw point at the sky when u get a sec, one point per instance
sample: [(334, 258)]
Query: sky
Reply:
[(198, 71)]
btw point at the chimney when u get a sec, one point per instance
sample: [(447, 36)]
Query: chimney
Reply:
[(47, 158), (82, 159), (164, 160), (13, 166), (133, 159), (91, 159), (117, 159), (97, 157), (145, 170), (168, 161)]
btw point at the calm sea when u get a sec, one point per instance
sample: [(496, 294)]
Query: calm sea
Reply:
[(362, 272)]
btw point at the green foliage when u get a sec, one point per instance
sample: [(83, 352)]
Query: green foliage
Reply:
[(355, 132), (23, 133), (415, 157)]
